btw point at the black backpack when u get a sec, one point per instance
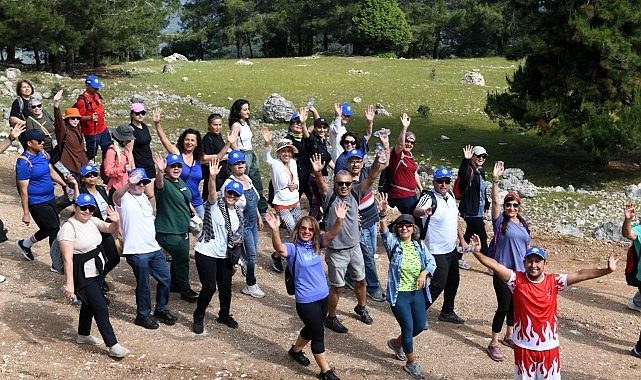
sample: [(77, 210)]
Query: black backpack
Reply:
[(426, 195), (632, 267)]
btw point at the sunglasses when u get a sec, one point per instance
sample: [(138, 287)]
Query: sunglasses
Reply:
[(90, 208), (513, 205), (141, 183), (91, 175), (143, 113), (74, 118), (296, 123), (411, 142), (441, 181), (406, 225), (322, 126), (343, 184), (33, 107), (239, 163), (483, 156), (39, 141), (176, 165), (308, 229), (349, 142), (232, 194)]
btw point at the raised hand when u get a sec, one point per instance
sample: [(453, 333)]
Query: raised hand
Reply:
[(17, 129), (499, 168), (156, 114), (214, 167), (338, 110), (273, 221), (612, 261), (341, 210), (381, 203), (302, 114), (405, 120), (467, 151), (476, 243), (629, 211), (58, 96), (161, 162), (112, 214), (370, 112), (317, 164), (267, 135), (232, 136)]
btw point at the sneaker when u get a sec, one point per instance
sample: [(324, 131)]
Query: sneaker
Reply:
[(118, 351), (634, 352), (26, 252), (53, 270), (228, 320), (189, 295), (146, 322), (377, 295), (165, 317), (88, 339), (463, 265), (495, 353), (398, 351), (334, 324), (277, 263), (451, 317), (414, 370), (633, 306), (299, 356), (2, 278), (253, 290), (198, 326), (508, 342), (329, 375), (364, 314)]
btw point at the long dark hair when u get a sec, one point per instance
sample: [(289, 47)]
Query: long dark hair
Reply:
[(506, 218), (234, 111), (198, 150), (19, 86)]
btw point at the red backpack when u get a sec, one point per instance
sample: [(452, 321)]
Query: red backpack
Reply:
[(457, 190)]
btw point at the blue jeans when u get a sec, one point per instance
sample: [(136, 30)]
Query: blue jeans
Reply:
[(250, 242), (411, 316), (143, 265), (368, 247), (92, 142)]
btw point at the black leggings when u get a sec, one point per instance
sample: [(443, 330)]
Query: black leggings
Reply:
[(45, 215), (213, 272), (313, 316), (505, 307), (96, 307), (475, 225)]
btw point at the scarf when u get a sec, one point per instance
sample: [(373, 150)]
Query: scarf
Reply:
[(297, 136), (234, 238)]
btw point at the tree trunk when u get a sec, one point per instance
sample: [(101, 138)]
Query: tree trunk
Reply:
[(70, 62), (325, 42), (11, 53), (437, 44), (239, 46), (54, 60), (249, 45), (37, 58), (96, 57)]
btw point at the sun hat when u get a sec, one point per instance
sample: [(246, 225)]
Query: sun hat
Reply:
[(89, 168), (354, 153), (173, 158), (137, 107), (512, 195), (92, 80), (34, 134), (346, 109), (235, 186), (123, 132), (442, 173), (143, 174), (478, 150), (536, 250), (235, 156), (286, 143), (85, 199), (71, 112)]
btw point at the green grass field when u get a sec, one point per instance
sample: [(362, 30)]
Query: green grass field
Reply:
[(399, 85)]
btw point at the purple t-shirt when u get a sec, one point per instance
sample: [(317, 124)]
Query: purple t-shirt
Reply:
[(511, 246), (310, 281)]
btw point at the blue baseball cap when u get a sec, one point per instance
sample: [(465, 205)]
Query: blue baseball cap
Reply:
[(93, 81), (143, 175), (442, 173), (34, 134), (535, 250), (173, 158), (346, 109), (86, 199), (235, 156), (235, 186), (89, 168), (355, 153), (295, 116)]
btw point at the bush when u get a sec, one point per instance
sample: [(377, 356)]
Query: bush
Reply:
[(424, 111)]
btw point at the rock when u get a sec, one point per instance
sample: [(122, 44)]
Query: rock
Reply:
[(137, 98), (244, 62), (13, 73), (175, 57), (168, 69), (356, 99), (608, 231), (632, 191), (444, 138), (566, 229), (380, 110), (184, 79), (473, 77), (277, 109)]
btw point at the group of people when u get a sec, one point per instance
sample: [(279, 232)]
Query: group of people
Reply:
[(150, 203)]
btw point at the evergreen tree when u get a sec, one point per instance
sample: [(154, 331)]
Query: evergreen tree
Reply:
[(380, 26)]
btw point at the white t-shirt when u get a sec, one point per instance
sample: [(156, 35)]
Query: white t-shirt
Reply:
[(442, 229), (217, 247), (336, 132), (137, 221), (245, 137), (85, 238)]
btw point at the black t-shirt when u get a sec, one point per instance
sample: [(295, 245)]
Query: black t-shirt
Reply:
[(143, 157), (213, 144), (17, 112), (320, 147)]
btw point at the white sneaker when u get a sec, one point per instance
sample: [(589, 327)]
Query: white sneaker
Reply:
[(118, 351), (2, 278), (254, 291), (88, 339), (463, 265), (633, 306)]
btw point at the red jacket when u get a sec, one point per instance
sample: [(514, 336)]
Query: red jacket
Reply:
[(88, 104)]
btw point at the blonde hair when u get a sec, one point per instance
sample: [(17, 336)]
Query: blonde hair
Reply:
[(315, 239)]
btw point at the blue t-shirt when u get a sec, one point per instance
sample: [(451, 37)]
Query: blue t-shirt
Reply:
[(310, 281), (40, 187), (511, 247), (192, 175)]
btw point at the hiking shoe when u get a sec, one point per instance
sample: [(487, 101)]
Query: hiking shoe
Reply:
[(189, 295), (277, 263), (495, 353), (463, 265), (88, 339), (2, 278), (508, 342), (634, 352), (53, 270), (165, 317), (198, 326), (415, 370), (146, 322), (451, 317), (398, 351), (334, 324), (299, 356), (118, 351), (377, 296), (633, 306), (228, 320), (253, 290), (329, 375), (364, 314), (26, 252)]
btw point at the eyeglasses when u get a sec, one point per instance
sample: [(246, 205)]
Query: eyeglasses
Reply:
[(405, 225), (176, 165), (74, 118), (349, 142), (513, 205), (483, 156), (443, 180), (343, 184), (411, 142), (90, 208), (143, 113), (91, 175), (33, 107), (232, 194), (308, 229)]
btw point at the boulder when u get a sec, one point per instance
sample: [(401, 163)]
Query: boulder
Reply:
[(608, 231), (175, 57), (277, 109), (168, 69), (381, 111), (473, 77), (13, 73)]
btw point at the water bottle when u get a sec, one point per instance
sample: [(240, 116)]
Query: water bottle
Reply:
[(382, 132), (382, 158), (467, 249), (70, 194), (310, 104)]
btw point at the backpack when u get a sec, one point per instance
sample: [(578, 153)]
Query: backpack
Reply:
[(332, 198), (86, 101), (458, 189), (632, 267), (384, 181)]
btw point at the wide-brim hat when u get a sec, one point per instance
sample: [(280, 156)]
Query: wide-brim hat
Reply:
[(123, 132), (286, 143)]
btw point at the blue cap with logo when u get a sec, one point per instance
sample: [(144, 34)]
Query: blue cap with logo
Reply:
[(295, 116), (85, 199), (235, 156), (346, 109), (442, 173), (89, 168), (235, 186), (92, 80), (143, 175), (355, 153), (536, 250), (173, 158)]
